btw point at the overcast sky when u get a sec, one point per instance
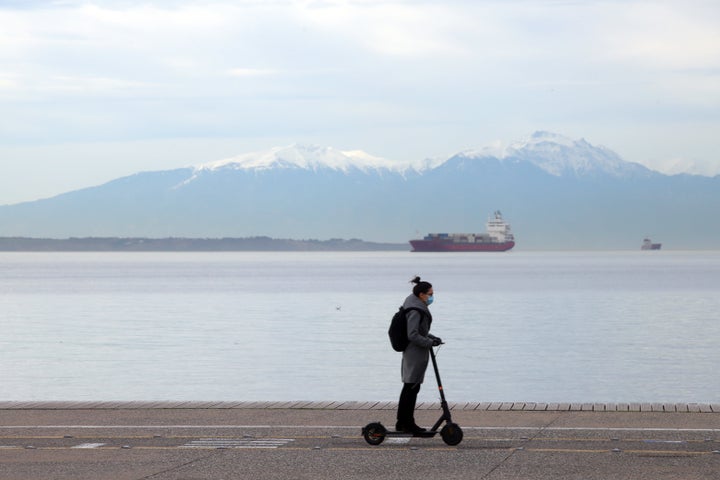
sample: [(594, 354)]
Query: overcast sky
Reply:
[(94, 90)]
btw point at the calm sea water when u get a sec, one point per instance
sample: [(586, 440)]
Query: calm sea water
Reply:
[(519, 326)]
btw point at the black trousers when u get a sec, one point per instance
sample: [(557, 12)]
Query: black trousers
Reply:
[(406, 405)]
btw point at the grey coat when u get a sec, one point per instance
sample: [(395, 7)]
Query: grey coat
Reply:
[(417, 354)]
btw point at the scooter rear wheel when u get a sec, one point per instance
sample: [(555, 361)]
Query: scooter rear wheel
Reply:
[(374, 433), (452, 434)]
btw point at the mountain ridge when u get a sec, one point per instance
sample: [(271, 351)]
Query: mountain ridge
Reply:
[(559, 155), (558, 152), (556, 192), (305, 156)]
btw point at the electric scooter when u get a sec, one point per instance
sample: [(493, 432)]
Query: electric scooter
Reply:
[(374, 433)]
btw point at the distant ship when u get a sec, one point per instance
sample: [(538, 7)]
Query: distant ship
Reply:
[(497, 239), (648, 245)]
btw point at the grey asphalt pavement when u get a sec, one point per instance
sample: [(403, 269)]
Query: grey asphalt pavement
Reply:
[(323, 441)]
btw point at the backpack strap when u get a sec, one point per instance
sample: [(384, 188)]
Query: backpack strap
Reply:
[(422, 313)]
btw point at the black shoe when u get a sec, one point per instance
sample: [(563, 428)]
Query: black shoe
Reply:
[(411, 428), (414, 429)]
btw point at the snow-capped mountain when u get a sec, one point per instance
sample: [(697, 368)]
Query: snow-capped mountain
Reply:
[(308, 157), (559, 155), (555, 191), (556, 154)]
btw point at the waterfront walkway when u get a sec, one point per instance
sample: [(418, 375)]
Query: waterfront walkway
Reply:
[(370, 405), (322, 440)]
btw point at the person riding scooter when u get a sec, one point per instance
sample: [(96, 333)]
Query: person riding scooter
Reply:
[(415, 356)]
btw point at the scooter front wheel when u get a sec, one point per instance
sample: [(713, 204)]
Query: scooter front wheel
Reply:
[(452, 434), (374, 433)]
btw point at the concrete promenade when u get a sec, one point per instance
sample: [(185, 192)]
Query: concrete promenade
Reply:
[(371, 405), (322, 440)]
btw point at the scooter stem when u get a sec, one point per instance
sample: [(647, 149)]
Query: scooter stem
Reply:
[(443, 403)]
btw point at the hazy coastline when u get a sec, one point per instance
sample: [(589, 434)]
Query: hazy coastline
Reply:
[(180, 244)]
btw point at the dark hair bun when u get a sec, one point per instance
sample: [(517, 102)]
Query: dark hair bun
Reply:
[(415, 280)]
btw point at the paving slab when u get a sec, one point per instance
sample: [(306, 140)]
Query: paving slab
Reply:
[(322, 440)]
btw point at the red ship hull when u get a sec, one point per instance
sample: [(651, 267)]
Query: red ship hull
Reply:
[(439, 245)]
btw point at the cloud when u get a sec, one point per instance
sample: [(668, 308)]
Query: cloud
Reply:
[(433, 75), (391, 28), (664, 35), (251, 72)]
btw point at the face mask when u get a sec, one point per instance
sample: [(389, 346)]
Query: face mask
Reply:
[(430, 299)]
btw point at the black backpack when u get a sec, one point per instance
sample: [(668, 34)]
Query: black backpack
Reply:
[(398, 329)]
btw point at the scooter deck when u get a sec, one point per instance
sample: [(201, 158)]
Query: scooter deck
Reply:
[(428, 434)]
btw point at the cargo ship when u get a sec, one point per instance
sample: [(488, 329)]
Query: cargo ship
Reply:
[(649, 245), (498, 238)]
